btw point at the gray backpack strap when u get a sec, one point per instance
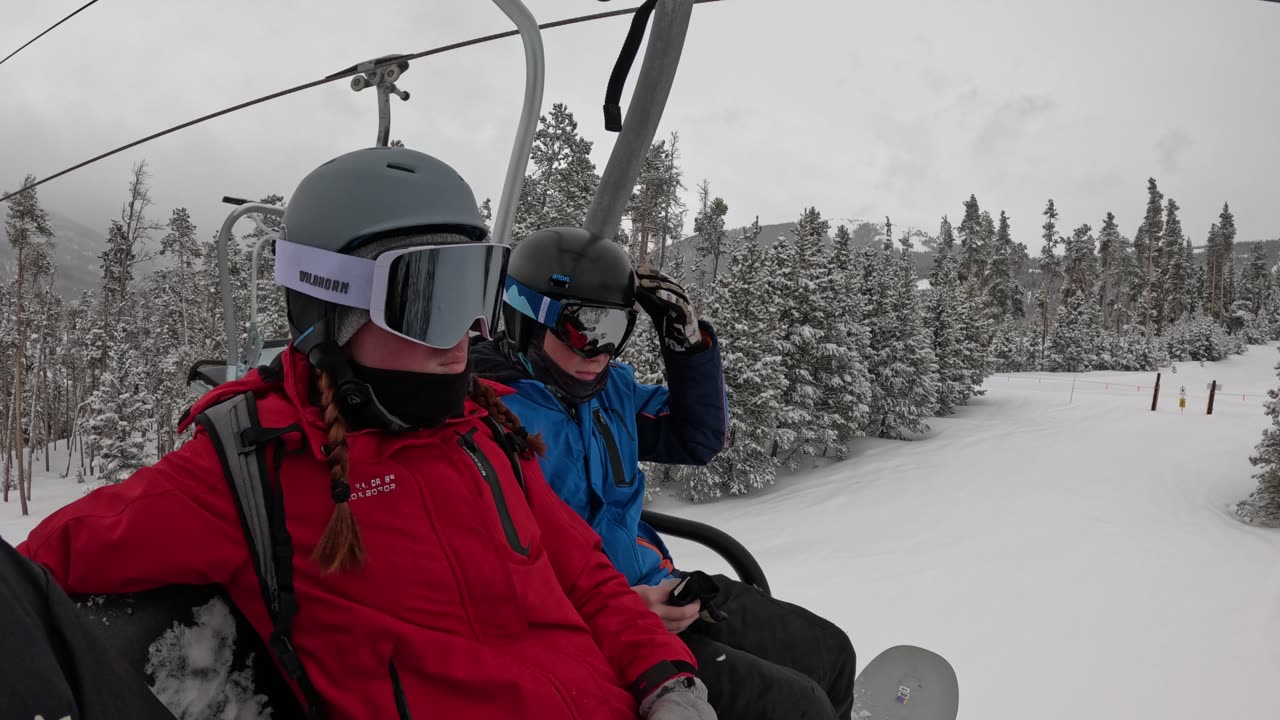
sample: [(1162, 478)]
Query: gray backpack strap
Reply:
[(243, 467), (241, 442)]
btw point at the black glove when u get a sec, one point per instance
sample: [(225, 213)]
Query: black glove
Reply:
[(700, 586), (668, 304)]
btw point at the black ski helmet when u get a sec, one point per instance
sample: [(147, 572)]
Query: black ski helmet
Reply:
[(368, 195), (567, 263)]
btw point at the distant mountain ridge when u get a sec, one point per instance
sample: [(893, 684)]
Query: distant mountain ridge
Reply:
[(75, 252)]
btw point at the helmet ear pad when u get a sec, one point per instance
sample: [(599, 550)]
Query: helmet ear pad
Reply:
[(518, 327), (309, 313)]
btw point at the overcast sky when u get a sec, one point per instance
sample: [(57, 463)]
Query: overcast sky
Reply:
[(864, 108)]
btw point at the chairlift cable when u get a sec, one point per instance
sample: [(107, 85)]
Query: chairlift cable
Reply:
[(47, 31), (324, 81)]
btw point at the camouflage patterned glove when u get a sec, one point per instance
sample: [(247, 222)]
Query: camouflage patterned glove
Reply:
[(668, 304)]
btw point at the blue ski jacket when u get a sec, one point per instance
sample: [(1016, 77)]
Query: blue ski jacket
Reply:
[(594, 448)]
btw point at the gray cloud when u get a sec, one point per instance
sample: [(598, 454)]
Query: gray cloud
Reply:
[(1007, 124), (1172, 146), (862, 109)]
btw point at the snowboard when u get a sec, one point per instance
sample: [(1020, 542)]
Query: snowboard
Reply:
[(906, 682)]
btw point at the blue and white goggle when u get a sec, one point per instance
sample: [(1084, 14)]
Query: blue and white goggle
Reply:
[(589, 330)]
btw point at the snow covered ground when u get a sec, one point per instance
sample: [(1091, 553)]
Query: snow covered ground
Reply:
[(1073, 555)]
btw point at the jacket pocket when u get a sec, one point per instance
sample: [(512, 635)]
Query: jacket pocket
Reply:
[(490, 476)]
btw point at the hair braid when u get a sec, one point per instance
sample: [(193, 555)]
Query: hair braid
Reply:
[(487, 398), (340, 547)]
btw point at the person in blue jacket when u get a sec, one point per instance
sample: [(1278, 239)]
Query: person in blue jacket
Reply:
[(570, 307)]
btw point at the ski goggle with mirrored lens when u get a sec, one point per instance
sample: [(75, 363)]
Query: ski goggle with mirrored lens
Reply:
[(589, 330), (430, 294)]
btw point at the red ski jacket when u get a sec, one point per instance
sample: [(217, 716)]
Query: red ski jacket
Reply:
[(492, 602)]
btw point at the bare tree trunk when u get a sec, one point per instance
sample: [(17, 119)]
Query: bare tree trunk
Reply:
[(10, 439), (48, 418), (20, 332), (31, 453), (44, 370)]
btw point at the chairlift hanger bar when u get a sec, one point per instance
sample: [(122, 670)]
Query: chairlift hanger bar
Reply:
[(324, 81)]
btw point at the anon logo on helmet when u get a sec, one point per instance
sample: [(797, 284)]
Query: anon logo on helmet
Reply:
[(561, 280), (324, 283)]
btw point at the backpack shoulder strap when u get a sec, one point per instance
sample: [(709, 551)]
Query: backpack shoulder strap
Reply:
[(240, 441)]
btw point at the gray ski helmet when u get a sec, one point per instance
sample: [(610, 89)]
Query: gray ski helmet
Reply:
[(567, 263), (368, 195)]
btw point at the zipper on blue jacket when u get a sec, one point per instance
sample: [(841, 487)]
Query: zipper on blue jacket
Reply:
[(620, 478), (495, 487)]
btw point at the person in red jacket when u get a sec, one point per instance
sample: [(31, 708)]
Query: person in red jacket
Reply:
[(429, 581)]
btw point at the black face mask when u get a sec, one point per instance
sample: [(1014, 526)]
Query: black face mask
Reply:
[(563, 385), (419, 400)]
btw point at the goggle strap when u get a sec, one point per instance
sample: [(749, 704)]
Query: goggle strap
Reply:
[(333, 277), (522, 298)]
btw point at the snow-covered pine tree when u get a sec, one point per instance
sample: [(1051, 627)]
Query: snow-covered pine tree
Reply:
[(1004, 294), (656, 209), (709, 228), (972, 259), (1050, 269), (1255, 280), (1147, 246), (559, 190), (27, 226), (117, 411), (671, 227), (1173, 285), (1263, 504), (1109, 264), (44, 317), (903, 368), (1220, 265), (1014, 347), (945, 318), (120, 402), (797, 265), (981, 280), (1195, 279), (1254, 293), (1077, 333), (1077, 336), (1271, 311), (746, 312), (1128, 278), (174, 306), (842, 369)]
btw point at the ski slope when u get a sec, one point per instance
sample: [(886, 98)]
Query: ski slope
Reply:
[(1072, 554), (1073, 557)]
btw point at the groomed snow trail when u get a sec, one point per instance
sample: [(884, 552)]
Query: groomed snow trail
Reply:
[(1074, 557)]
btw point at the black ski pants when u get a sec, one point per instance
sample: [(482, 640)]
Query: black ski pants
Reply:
[(771, 660), (53, 665)]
